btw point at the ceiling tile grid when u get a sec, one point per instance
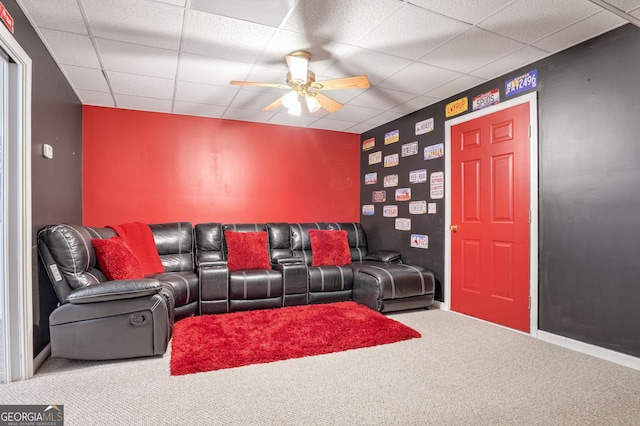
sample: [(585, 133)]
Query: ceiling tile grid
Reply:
[(178, 56)]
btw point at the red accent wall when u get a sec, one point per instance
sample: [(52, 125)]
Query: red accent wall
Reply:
[(156, 167)]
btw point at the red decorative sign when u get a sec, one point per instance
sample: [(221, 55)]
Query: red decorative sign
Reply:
[(6, 17)]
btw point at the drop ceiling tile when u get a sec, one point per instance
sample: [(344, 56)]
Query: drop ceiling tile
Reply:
[(510, 62), (471, 50), (263, 74), (411, 32), (528, 21), (187, 91), (146, 23), (226, 38), (180, 3), (383, 118), (349, 22), (624, 5), (141, 85), (286, 119), (86, 78), (72, 49), (62, 15), (247, 99), (360, 128), (136, 59), (201, 110), (270, 13), (454, 87), (463, 10), (331, 124), (380, 98), (580, 31), (249, 115), (207, 70), (355, 113), (323, 52), (635, 14), (90, 97), (414, 104), (419, 78), (376, 66), (143, 104)]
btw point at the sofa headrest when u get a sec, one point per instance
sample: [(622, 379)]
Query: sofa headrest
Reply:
[(174, 242)]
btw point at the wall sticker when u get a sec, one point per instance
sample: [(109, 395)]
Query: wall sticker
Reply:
[(379, 196), (418, 207), (391, 137), (434, 151), (521, 83), (368, 210), (486, 99), (390, 180), (371, 178), (418, 176), (375, 157), (390, 211), (456, 107), (403, 194), (391, 160), (419, 241), (437, 185), (403, 224), (368, 144), (409, 149), (424, 126)]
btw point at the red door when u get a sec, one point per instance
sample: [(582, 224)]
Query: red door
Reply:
[(490, 217)]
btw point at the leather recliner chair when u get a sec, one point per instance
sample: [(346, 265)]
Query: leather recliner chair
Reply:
[(99, 319)]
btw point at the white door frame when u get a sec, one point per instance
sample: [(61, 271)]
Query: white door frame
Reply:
[(532, 99), (18, 307)]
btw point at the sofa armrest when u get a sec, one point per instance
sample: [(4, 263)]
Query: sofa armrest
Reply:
[(386, 256), (114, 290)]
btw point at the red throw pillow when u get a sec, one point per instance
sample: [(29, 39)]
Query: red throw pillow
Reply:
[(329, 248), (116, 259), (247, 250)]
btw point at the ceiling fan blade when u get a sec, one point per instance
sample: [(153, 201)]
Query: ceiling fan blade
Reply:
[(253, 83), (357, 82), (327, 103), (274, 105), (298, 63)]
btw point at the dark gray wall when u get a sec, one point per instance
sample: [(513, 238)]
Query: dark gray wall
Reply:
[(56, 119), (589, 196)]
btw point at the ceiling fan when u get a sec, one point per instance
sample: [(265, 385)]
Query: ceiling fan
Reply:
[(304, 89)]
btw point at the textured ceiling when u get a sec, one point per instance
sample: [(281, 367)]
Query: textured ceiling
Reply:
[(178, 56)]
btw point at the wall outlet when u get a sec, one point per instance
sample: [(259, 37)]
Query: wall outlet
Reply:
[(47, 151)]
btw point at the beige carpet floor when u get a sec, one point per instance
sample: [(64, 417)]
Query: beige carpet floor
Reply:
[(461, 372)]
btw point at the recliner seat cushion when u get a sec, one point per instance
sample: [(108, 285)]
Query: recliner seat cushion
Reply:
[(255, 284), (184, 285), (330, 278)]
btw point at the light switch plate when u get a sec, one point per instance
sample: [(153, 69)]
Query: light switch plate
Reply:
[(47, 151)]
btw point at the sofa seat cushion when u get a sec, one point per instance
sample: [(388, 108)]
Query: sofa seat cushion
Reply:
[(330, 278), (183, 284), (255, 284), (398, 280)]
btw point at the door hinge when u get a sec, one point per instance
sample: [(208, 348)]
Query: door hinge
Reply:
[(529, 216), (529, 302), (529, 130)]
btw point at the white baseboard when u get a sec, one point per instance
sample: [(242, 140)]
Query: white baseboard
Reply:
[(586, 348), (41, 357)]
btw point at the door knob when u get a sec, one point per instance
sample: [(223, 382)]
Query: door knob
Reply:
[(453, 228)]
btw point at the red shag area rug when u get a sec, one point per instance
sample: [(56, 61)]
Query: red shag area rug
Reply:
[(215, 342)]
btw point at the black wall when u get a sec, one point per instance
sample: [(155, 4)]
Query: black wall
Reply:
[(589, 190), (56, 119)]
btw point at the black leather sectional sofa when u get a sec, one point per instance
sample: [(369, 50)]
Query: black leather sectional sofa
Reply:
[(102, 319)]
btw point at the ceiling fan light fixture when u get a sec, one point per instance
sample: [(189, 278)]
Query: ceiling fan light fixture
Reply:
[(298, 63), (290, 99), (295, 109), (312, 104)]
